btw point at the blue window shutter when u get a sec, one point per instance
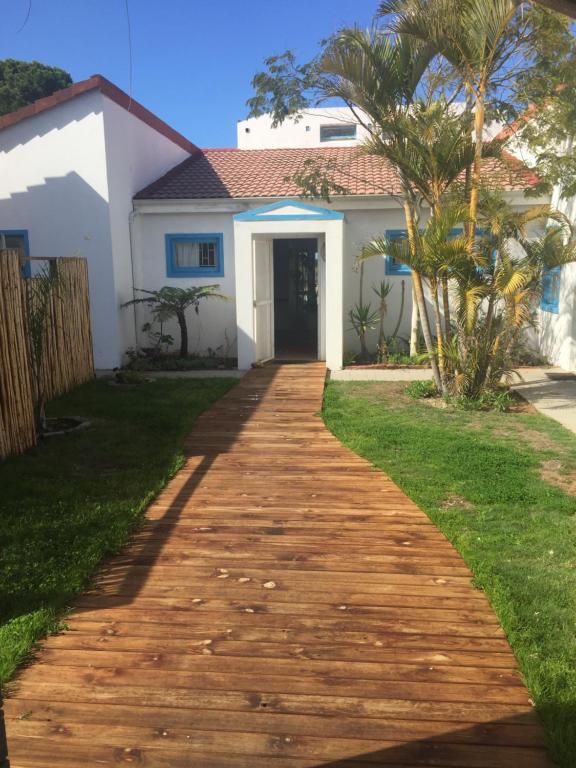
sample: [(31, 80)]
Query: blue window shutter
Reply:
[(392, 266), (550, 301)]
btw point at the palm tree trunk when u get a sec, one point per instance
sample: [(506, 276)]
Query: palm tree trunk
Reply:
[(477, 165), (439, 330), (425, 322), (446, 310), (401, 311), (421, 301), (381, 350), (181, 317), (414, 325)]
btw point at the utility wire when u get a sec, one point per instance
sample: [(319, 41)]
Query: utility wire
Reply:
[(28, 12)]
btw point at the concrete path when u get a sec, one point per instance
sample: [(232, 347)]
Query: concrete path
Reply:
[(383, 374), (554, 398)]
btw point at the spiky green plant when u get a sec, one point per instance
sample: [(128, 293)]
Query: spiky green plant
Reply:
[(362, 320)]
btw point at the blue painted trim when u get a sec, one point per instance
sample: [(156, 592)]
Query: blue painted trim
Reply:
[(392, 267), (23, 233), (550, 301), (266, 213), (199, 237)]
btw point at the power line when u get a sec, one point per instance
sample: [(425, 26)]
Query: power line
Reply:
[(28, 12)]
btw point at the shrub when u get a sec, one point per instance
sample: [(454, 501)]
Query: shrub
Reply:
[(421, 389)]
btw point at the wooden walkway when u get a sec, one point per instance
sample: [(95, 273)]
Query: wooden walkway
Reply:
[(284, 606)]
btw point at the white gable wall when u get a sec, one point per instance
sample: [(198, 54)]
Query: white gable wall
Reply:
[(53, 183), (136, 155)]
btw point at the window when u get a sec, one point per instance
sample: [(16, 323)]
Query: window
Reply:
[(195, 255), (17, 239), (550, 301), (336, 132), (394, 267)]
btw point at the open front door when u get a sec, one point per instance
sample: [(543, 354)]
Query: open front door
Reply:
[(263, 300)]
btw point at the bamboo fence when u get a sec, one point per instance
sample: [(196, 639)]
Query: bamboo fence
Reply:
[(67, 357), (17, 428)]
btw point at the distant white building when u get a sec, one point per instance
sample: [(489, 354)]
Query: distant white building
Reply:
[(317, 127), (89, 171)]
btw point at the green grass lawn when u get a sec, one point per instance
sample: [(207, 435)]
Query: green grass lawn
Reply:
[(75, 499), (500, 486)]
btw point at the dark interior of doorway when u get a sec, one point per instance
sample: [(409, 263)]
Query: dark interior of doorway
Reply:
[(296, 299)]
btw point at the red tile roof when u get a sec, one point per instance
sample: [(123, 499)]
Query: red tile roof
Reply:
[(97, 82), (253, 173)]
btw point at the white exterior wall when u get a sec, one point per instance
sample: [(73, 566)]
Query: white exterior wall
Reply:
[(360, 227), (258, 133), (217, 321), (363, 220), (53, 183), (136, 155), (557, 331), (215, 324)]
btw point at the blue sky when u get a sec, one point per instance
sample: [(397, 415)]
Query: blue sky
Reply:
[(193, 60)]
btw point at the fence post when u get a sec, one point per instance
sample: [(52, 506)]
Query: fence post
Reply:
[(3, 741)]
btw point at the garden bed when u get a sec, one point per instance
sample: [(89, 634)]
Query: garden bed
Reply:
[(148, 364)]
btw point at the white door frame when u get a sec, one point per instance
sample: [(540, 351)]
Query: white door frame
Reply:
[(328, 227), (265, 305)]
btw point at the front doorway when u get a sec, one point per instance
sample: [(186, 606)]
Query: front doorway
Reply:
[(295, 298)]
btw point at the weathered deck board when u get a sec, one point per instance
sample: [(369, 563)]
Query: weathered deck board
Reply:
[(283, 605)]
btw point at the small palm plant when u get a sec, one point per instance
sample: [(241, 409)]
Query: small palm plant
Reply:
[(169, 302)]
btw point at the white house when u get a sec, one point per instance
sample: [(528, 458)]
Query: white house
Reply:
[(91, 171), (69, 167)]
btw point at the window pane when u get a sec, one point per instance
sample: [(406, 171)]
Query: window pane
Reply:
[(12, 241), (195, 254), (186, 255), (333, 132)]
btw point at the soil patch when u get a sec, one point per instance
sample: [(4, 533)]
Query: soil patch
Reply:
[(551, 472), (456, 502), (520, 404)]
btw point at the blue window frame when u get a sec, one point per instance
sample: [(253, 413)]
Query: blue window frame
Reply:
[(17, 238), (195, 255), (337, 132), (393, 267), (550, 301)]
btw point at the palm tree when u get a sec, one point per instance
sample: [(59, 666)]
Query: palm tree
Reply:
[(494, 292), (473, 36), (435, 254), (377, 77), (171, 302)]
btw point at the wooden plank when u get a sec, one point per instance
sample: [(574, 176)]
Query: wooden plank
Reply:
[(284, 605)]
